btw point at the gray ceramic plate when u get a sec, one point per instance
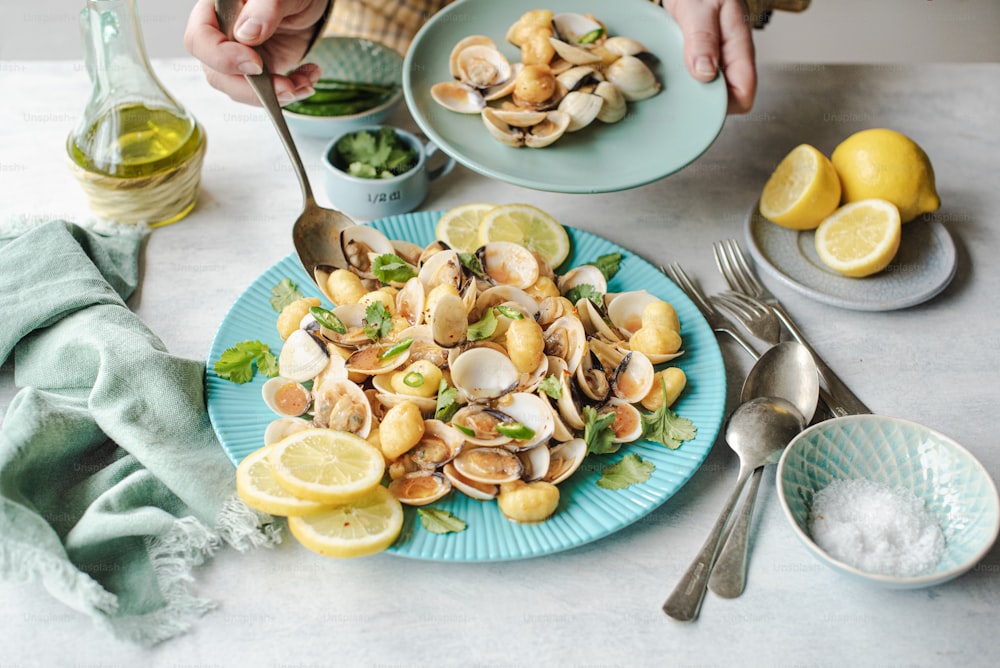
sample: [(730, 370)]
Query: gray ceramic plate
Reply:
[(658, 137), (922, 268)]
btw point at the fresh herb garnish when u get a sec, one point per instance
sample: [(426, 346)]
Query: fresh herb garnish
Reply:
[(437, 520), (665, 426), (379, 155), (237, 362), (377, 322), (631, 470), (486, 326), (391, 269), (585, 290), (609, 264), (472, 263), (447, 402), (551, 386), (597, 431), (283, 294)]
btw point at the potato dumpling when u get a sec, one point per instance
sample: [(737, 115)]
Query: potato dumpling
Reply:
[(655, 341), (345, 287), (420, 379), (660, 314), (536, 49), (402, 427), (534, 84), (387, 299), (528, 501), (530, 22), (673, 379), (292, 314), (525, 344)]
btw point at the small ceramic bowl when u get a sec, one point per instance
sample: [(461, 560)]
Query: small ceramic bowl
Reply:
[(954, 487), (351, 59)]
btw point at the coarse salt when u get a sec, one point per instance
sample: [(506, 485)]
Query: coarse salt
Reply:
[(875, 528)]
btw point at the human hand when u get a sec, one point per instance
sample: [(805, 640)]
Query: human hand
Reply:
[(282, 29), (717, 36)]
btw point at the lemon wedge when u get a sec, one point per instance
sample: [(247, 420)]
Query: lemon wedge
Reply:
[(802, 190), (364, 526), (459, 226), (326, 465), (529, 226), (860, 238), (885, 164), (257, 487)]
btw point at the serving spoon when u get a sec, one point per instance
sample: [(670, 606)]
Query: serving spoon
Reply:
[(758, 431), (785, 370), (316, 232)]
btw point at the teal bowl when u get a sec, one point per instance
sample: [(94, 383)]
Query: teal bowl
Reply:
[(351, 59), (954, 487)]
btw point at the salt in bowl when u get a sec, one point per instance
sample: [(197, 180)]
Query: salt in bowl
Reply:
[(902, 455)]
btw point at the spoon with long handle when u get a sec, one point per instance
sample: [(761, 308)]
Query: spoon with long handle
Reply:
[(782, 371), (316, 232), (758, 431)]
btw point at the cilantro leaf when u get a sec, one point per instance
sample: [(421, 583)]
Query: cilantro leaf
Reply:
[(551, 386), (632, 469), (237, 362), (597, 431), (609, 264), (382, 154), (665, 426), (484, 327), (391, 269), (437, 520), (377, 322), (283, 294), (447, 402), (578, 292), (472, 263)]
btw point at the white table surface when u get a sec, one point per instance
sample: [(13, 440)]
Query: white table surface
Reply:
[(597, 605)]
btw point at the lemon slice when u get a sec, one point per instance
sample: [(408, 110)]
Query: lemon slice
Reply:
[(529, 226), (803, 190), (365, 526), (459, 227), (326, 465), (861, 238), (257, 487)]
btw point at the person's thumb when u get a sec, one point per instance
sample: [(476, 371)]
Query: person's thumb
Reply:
[(701, 43), (258, 20)]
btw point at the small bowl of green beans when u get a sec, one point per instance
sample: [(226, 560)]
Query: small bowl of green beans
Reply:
[(360, 85)]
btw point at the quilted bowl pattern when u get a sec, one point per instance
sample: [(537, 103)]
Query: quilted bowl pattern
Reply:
[(898, 453)]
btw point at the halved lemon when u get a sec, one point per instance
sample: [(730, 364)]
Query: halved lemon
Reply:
[(861, 238), (326, 465), (803, 189), (529, 226), (364, 526), (257, 487), (459, 226)]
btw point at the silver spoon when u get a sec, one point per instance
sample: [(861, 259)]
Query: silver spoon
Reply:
[(758, 431), (316, 232), (785, 370)]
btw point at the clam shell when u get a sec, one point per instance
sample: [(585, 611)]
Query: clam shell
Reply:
[(420, 488), (564, 460), (491, 466), (286, 397), (483, 373), (302, 356)]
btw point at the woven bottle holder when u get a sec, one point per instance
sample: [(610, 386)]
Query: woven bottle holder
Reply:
[(156, 200)]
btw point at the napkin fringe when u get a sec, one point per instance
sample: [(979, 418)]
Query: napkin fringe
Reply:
[(243, 528)]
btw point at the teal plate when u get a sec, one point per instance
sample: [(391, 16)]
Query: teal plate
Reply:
[(658, 137), (586, 512)]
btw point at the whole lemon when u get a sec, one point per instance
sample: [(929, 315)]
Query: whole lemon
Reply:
[(885, 164)]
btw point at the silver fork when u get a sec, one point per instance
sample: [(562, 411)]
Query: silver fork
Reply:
[(741, 278), (716, 320)]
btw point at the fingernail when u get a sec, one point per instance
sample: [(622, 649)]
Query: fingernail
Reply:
[(249, 30), (703, 65), (286, 98), (249, 67)]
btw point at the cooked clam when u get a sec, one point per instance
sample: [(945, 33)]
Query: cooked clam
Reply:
[(284, 426), (564, 459), (342, 405), (286, 397), (359, 243), (302, 357), (527, 411), (508, 263), (633, 78), (582, 108), (476, 490), (491, 466), (483, 373), (420, 488)]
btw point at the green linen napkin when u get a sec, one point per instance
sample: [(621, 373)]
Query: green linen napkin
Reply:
[(113, 487)]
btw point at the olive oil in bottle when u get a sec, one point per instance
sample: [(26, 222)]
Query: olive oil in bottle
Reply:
[(136, 152)]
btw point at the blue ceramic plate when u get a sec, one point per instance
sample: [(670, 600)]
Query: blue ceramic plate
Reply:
[(659, 136), (586, 512), (953, 486), (923, 266)]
